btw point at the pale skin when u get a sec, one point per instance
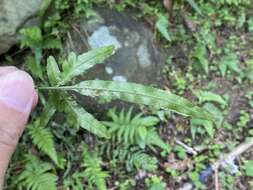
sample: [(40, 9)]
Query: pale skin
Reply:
[(17, 99)]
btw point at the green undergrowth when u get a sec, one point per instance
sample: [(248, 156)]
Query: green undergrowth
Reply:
[(148, 144)]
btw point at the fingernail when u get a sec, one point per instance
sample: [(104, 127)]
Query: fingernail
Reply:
[(17, 91), (7, 69)]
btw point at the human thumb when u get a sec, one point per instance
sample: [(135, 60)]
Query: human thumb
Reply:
[(17, 97)]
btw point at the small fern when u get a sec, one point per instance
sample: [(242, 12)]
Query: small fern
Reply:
[(31, 37), (43, 139), (89, 175), (42, 136), (138, 130), (142, 161), (162, 26), (75, 181), (132, 157), (37, 175), (93, 171), (155, 183)]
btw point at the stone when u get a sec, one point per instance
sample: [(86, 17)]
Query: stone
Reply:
[(137, 59), (102, 37), (13, 15)]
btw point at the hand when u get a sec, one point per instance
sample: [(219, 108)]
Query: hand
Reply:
[(17, 99)]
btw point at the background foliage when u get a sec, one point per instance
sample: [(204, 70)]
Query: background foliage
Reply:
[(210, 63)]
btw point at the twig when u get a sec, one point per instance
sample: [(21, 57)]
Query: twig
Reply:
[(188, 149), (216, 177), (70, 40), (231, 156), (225, 161), (240, 149)]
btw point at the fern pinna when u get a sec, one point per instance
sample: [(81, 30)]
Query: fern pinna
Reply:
[(138, 130)]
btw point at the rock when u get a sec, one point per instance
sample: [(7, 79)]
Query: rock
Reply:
[(13, 15), (137, 59)]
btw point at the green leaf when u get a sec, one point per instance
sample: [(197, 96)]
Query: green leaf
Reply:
[(142, 161), (52, 43), (140, 94), (206, 96), (44, 140), (248, 71), (77, 65), (37, 54), (86, 120), (162, 25), (206, 124), (45, 5), (31, 37), (194, 6), (37, 175), (229, 61), (149, 121), (34, 68), (93, 170), (157, 186), (223, 69), (42, 136), (155, 183), (154, 139), (135, 130), (249, 168), (142, 132), (200, 55), (53, 71), (217, 114)]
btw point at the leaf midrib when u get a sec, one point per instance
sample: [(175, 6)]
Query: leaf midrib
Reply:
[(123, 91)]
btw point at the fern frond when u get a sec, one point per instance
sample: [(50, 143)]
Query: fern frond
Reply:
[(136, 130), (53, 71), (162, 25), (93, 171), (31, 37), (109, 90), (140, 94), (86, 120), (207, 96), (153, 138), (142, 161), (75, 181), (44, 140), (133, 157), (76, 65), (37, 175), (42, 136)]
